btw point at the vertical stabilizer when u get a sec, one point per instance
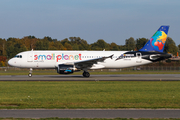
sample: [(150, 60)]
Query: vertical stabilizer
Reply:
[(157, 41)]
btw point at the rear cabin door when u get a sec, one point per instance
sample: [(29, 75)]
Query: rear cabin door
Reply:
[(138, 56)]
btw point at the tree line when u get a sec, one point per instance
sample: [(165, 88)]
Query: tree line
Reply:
[(11, 46)]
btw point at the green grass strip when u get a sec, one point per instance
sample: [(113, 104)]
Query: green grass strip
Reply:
[(90, 94)]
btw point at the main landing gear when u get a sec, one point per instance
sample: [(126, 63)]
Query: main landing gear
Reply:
[(30, 72), (86, 74)]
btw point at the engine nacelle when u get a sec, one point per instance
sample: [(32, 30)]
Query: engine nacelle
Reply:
[(65, 69)]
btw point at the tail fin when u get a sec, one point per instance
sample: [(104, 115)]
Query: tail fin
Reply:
[(157, 41)]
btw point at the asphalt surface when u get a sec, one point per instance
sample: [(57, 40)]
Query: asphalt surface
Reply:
[(125, 77), (80, 113)]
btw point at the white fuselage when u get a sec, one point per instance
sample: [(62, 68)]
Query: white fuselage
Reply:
[(51, 59)]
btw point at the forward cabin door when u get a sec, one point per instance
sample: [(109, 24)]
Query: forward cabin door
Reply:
[(30, 57), (138, 56)]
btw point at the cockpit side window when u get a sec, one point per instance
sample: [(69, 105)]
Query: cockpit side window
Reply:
[(15, 56), (18, 56)]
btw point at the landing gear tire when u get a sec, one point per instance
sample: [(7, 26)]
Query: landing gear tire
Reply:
[(30, 75), (30, 72), (86, 74)]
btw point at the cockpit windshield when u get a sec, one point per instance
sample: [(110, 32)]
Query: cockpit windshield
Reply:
[(18, 56)]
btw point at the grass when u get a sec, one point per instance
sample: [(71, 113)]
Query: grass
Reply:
[(85, 94), (53, 72)]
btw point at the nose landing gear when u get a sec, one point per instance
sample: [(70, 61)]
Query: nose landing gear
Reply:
[(30, 72)]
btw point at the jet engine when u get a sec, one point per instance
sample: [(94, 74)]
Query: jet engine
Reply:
[(66, 69)]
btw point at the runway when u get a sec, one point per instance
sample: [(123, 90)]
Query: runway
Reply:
[(90, 113), (124, 77)]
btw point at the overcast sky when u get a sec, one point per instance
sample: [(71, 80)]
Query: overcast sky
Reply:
[(111, 20)]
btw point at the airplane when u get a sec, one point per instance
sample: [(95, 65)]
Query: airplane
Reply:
[(67, 62)]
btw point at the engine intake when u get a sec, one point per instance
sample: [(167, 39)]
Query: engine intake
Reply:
[(65, 69)]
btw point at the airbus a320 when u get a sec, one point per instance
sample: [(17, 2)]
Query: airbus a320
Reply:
[(67, 62)]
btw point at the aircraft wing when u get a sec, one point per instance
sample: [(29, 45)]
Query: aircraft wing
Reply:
[(89, 63)]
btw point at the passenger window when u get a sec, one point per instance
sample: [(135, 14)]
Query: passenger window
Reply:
[(20, 56)]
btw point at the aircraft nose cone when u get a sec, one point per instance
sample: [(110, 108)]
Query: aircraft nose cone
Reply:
[(10, 62)]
